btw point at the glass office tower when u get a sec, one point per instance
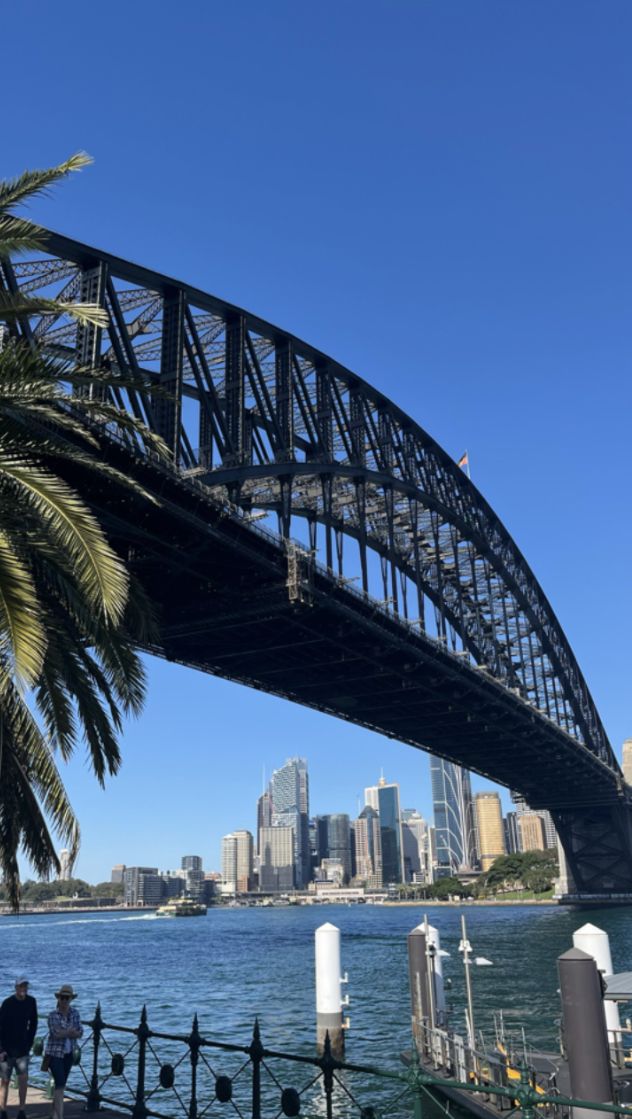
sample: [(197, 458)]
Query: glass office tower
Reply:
[(454, 818)]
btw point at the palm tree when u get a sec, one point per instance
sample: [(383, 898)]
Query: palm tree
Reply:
[(68, 666)]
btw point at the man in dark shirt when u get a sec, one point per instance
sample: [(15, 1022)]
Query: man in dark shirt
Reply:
[(18, 1022)]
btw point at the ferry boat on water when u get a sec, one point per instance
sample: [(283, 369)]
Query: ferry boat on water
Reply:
[(182, 907)]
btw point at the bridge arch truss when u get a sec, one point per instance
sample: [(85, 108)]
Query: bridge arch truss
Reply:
[(276, 426)]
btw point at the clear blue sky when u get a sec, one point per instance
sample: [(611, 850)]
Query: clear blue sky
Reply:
[(435, 193)]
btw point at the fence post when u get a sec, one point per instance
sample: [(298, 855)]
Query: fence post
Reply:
[(526, 1095), (93, 1100), (416, 1084), (142, 1033), (194, 1047), (327, 1064), (256, 1056)]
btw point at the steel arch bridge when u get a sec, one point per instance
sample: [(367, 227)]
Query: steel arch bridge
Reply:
[(391, 595)]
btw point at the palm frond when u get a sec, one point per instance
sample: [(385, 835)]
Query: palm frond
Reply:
[(32, 183), (22, 635), (15, 306), (19, 236), (73, 528)]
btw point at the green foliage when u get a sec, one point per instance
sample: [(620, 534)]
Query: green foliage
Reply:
[(68, 615), (445, 888), (532, 871)]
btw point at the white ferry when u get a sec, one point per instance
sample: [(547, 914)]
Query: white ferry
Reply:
[(182, 907)]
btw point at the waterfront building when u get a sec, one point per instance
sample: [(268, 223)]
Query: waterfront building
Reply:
[(332, 870), (627, 761), (173, 883), (384, 798), (193, 874), (117, 872), (531, 831), (512, 837), (142, 885), (289, 792), (237, 862), (277, 859), (455, 827), (368, 847), (489, 822)]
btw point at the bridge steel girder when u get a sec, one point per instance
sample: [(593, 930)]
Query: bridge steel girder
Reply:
[(256, 419)]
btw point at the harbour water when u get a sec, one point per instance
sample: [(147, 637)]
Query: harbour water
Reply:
[(236, 963)]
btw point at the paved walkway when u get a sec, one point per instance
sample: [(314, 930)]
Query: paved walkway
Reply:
[(38, 1106)]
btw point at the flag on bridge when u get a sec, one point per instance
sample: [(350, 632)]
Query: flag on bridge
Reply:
[(464, 460)]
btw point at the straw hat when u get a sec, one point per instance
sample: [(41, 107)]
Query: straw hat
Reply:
[(65, 989)]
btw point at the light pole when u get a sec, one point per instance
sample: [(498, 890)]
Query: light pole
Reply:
[(466, 948)]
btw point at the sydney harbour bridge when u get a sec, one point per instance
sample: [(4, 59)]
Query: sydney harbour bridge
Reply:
[(387, 592)]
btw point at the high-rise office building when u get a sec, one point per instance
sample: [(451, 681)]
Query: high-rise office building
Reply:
[(264, 815), (415, 840), (237, 862), (117, 872), (289, 793), (193, 874), (531, 830), (277, 859), (191, 862), (333, 839), (368, 847), (548, 827), (512, 838), (627, 761), (229, 864), (384, 797), (455, 830), (489, 822), (65, 865)]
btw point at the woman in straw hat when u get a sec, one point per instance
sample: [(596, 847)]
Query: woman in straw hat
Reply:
[(64, 1027)]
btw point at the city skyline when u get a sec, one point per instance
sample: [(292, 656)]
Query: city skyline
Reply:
[(491, 836)]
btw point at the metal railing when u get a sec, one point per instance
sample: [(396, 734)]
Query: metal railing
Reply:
[(150, 1073)]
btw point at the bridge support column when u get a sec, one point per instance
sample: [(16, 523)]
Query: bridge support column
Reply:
[(597, 845)]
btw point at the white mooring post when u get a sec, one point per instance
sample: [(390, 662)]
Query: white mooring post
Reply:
[(329, 1002), (596, 943)]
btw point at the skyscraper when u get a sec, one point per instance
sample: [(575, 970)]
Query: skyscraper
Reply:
[(550, 834), (512, 838), (264, 816), (289, 794), (191, 865), (415, 839), (489, 820), (237, 862), (339, 841), (385, 799), (368, 847), (277, 859), (454, 817), (531, 830)]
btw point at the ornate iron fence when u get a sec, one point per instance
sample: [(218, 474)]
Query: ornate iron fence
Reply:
[(149, 1073)]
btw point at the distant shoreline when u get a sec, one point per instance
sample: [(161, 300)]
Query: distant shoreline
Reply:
[(39, 911), (425, 902)]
